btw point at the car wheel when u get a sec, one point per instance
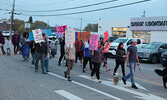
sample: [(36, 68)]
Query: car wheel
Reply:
[(154, 59)]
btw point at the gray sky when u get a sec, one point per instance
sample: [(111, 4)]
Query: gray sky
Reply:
[(152, 8)]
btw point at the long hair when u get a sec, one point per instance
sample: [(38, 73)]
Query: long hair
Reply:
[(119, 46)]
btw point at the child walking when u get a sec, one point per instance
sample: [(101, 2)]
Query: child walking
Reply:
[(8, 46)]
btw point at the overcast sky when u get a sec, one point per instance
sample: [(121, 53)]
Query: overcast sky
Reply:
[(152, 8)]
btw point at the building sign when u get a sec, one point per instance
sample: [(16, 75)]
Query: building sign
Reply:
[(27, 25), (149, 24)]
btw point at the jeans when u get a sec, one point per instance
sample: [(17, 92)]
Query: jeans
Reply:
[(41, 57), (47, 64), (131, 74), (16, 47), (33, 59)]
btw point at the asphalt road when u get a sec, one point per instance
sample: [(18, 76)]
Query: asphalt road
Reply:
[(18, 81)]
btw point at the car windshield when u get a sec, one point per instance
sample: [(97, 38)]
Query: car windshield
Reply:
[(151, 46), (120, 40)]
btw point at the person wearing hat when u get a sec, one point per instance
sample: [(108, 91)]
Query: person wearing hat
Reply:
[(132, 60)]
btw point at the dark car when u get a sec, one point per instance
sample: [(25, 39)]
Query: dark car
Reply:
[(164, 59), (152, 52)]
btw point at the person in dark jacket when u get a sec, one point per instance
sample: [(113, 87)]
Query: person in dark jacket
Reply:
[(15, 41), (62, 52), (120, 59), (40, 54), (2, 42), (97, 58)]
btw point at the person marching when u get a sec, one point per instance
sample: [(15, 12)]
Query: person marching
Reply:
[(70, 57), (2, 42), (40, 54), (53, 46), (15, 41), (132, 59), (62, 53), (96, 59), (25, 46), (79, 52), (87, 56), (120, 59), (8, 45)]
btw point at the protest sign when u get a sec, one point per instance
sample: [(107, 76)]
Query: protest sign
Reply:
[(83, 36), (37, 35), (59, 35), (61, 29), (70, 36), (106, 35), (47, 31), (93, 44), (31, 37)]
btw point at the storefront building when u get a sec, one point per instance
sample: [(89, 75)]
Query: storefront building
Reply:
[(149, 29)]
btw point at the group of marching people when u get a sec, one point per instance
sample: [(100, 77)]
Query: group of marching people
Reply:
[(70, 53)]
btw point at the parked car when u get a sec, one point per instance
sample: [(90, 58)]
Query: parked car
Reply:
[(151, 52), (163, 58), (111, 39), (7, 33), (126, 41), (51, 36)]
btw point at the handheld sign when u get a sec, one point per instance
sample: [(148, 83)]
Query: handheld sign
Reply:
[(93, 44), (83, 36), (61, 29), (37, 35), (70, 36), (106, 35)]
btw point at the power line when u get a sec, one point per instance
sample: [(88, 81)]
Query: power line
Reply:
[(94, 9), (72, 7)]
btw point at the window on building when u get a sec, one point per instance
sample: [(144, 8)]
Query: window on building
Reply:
[(144, 35), (119, 31)]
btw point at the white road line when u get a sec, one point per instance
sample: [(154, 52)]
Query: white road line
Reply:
[(93, 89), (140, 95), (68, 95)]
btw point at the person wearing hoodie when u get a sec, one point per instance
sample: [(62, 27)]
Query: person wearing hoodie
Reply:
[(86, 56), (70, 58), (97, 58), (15, 41), (120, 59), (2, 42)]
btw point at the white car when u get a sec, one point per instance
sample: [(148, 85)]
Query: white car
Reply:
[(7, 33), (50, 37), (126, 42)]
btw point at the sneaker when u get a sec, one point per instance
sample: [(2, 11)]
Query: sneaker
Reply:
[(124, 81), (47, 71), (65, 74), (69, 79), (114, 74), (83, 70), (134, 86), (99, 81), (33, 66), (44, 72)]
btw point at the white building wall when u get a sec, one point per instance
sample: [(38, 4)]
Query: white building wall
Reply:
[(158, 36), (106, 25)]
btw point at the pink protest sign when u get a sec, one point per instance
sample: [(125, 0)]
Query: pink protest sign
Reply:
[(106, 35), (61, 29), (93, 45)]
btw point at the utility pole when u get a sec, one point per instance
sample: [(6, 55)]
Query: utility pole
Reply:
[(12, 16), (81, 24)]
